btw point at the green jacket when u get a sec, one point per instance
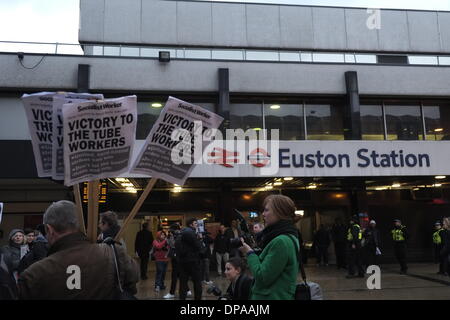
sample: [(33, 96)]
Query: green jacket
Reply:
[(275, 270)]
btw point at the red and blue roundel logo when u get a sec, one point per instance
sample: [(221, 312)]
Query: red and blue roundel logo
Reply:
[(259, 157)]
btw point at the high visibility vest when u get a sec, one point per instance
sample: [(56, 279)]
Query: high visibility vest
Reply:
[(437, 237), (398, 235), (350, 235)]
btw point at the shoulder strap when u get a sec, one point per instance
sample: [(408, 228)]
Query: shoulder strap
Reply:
[(299, 258), (116, 267)]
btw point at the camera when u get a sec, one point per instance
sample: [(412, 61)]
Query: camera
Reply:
[(212, 289), (246, 235)]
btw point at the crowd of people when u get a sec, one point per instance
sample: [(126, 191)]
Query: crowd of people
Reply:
[(57, 261), (356, 248)]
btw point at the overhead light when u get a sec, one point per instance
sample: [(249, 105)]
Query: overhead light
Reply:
[(269, 187), (438, 129), (396, 185), (277, 183), (127, 184), (300, 213), (440, 177), (437, 185), (380, 188), (256, 129), (156, 105), (275, 106), (121, 179), (313, 186), (288, 178), (130, 189)]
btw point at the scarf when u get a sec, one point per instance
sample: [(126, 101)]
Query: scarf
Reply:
[(281, 227)]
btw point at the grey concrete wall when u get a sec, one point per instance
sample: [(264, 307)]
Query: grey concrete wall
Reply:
[(187, 23), (60, 73)]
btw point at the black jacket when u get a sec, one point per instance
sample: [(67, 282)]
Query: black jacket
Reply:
[(221, 243), (143, 243), (339, 233), (11, 256), (38, 251), (8, 288), (372, 237), (188, 246), (241, 290), (322, 238)]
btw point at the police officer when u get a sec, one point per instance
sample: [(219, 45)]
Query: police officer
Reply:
[(354, 237), (400, 236), (438, 236)]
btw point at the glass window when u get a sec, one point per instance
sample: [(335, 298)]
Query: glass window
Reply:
[(324, 122), (111, 51), (198, 54), (423, 60), (288, 118), (366, 58), (129, 52), (306, 56), (246, 116), (437, 121), (154, 52), (445, 61), (228, 54), (350, 58), (403, 122), (148, 112), (328, 57), (262, 55), (372, 127), (98, 51), (289, 56)]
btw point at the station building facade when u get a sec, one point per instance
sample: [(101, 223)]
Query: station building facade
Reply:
[(340, 84)]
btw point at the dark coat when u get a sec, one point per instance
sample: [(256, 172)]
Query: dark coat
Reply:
[(339, 233), (445, 251), (38, 251), (188, 246), (372, 237), (8, 288), (143, 242), (47, 279), (221, 243), (241, 290), (11, 256), (322, 238)]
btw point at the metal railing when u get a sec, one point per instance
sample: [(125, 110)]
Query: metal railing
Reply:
[(213, 54)]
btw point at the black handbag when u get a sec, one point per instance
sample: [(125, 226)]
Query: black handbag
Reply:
[(120, 293), (302, 290)]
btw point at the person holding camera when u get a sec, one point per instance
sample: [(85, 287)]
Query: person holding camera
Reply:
[(241, 284), (275, 269)]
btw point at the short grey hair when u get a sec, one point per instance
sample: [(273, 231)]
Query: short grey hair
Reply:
[(62, 216)]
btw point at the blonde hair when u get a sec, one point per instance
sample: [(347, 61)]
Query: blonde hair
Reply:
[(282, 206)]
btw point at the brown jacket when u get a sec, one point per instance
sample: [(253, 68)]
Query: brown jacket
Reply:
[(48, 279)]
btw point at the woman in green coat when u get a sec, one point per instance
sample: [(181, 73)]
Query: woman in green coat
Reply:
[(275, 269)]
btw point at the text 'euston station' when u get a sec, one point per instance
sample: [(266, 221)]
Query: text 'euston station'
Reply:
[(366, 158)]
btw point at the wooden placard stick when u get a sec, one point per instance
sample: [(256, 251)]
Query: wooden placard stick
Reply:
[(136, 207), (92, 210), (76, 192)]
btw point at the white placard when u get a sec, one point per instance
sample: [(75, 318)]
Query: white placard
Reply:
[(1, 211), (98, 138), (58, 138), (39, 111), (156, 157)]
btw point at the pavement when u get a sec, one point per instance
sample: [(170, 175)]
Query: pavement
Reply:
[(421, 283)]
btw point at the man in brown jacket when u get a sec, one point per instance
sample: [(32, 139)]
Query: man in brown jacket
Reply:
[(74, 267)]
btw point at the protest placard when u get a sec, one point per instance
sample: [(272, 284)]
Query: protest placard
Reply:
[(98, 138), (156, 157), (1, 211), (39, 110), (58, 149)]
